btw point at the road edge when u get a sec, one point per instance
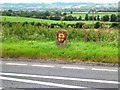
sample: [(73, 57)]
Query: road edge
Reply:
[(61, 62)]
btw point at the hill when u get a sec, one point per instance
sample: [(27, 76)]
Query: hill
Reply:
[(60, 6)]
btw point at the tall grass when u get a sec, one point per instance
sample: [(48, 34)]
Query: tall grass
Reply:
[(30, 40), (75, 51), (30, 31)]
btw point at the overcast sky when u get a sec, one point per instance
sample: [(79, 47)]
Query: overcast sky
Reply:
[(51, 1)]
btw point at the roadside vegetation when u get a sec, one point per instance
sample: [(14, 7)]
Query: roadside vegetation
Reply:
[(31, 34), (75, 51), (37, 40)]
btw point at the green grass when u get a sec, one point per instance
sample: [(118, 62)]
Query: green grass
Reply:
[(24, 19), (75, 51), (77, 14)]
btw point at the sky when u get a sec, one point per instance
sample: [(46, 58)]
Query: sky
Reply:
[(51, 1)]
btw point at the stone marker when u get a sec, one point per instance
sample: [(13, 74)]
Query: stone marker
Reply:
[(61, 39)]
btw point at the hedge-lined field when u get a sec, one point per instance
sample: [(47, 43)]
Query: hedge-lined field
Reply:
[(77, 14), (25, 19)]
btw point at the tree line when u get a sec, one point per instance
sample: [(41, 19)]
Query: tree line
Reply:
[(58, 15), (59, 25)]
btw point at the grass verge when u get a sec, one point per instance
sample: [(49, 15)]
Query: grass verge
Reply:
[(75, 51)]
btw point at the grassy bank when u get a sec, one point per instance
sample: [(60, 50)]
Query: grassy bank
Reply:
[(33, 40), (80, 51)]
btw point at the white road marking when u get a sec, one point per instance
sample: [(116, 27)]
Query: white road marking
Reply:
[(39, 82), (0, 88), (72, 67), (43, 66), (65, 67), (97, 69), (62, 78), (19, 64)]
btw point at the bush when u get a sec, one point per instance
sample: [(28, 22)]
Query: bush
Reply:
[(39, 31), (114, 25), (97, 25), (105, 18), (79, 25)]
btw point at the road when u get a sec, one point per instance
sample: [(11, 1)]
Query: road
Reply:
[(24, 74)]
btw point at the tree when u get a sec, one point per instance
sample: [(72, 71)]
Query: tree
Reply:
[(66, 18), (57, 13), (47, 13), (64, 14), (95, 18), (113, 18), (71, 12), (86, 17), (114, 25), (105, 18), (10, 10), (79, 25), (75, 18), (118, 18), (80, 18), (90, 17), (97, 25), (70, 18), (98, 17), (9, 13)]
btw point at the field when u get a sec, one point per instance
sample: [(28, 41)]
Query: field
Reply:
[(24, 19), (77, 14)]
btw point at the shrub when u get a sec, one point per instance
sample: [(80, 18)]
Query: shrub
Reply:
[(39, 31), (114, 25), (97, 25), (79, 25)]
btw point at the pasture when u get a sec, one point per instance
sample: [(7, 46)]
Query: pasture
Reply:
[(25, 19), (77, 14)]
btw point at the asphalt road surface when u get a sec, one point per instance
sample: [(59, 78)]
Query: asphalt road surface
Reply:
[(23, 74)]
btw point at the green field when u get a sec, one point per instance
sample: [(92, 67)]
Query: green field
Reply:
[(77, 14), (24, 19)]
